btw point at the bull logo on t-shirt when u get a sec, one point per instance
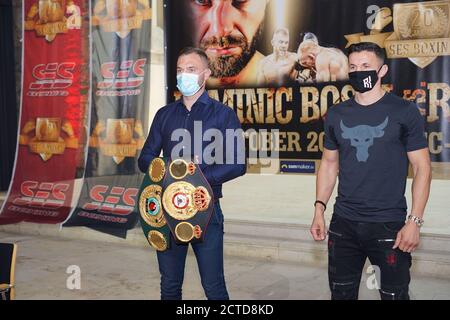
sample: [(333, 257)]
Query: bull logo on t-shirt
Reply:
[(362, 137)]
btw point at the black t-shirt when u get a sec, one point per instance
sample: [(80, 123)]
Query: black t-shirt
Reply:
[(373, 142)]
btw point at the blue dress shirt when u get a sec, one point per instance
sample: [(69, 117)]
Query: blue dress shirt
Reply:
[(206, 113)]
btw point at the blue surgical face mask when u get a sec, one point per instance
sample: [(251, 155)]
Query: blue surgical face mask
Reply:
[(187, 83)]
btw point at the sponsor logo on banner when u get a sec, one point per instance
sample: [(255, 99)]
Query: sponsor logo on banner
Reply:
[(52, 79), (121, 79), (44, 136), (118, 138), (121, 16), (51, 17), (112, 200), (44, 195), (421, 31), (298, 166)]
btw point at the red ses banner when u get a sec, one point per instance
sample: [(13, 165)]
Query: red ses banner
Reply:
[(55, 87)]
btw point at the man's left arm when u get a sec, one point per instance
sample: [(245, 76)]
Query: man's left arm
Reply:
[(234, 164), (409, 237), (421, 166), (153, 144), (296, 67), (418, 155), (260, 76)]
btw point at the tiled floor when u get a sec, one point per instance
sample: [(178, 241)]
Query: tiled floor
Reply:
[(111, 271)]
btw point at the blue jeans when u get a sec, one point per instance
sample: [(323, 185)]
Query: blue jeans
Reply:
[(209, 256)]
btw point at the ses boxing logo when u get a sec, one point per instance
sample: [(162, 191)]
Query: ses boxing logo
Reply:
[(44, 195), (112, 200), (420, 31), (121, 79), (121, 16), (51, 79), (51, 17)]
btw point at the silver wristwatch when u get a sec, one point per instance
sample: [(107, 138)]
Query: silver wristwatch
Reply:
[(416, 220)]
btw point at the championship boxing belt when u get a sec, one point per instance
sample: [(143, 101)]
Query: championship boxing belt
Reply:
[(150, 206), (187, 201)]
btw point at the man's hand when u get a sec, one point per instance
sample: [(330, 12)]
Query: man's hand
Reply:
[(318, 229), (305, 75), (408, 237)]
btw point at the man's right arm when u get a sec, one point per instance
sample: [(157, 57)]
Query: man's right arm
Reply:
[(153, 144), (325, 182), (296, 67), (260, 77), (323, 68), (327, 175)]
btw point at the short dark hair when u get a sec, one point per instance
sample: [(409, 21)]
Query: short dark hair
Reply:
[(192, 50), (367, 46)]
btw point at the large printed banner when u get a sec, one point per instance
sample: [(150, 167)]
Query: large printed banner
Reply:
[(53, 112), (121, 33), (280, 64)]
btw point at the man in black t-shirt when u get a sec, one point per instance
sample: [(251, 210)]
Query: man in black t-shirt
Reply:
[(369, 141)]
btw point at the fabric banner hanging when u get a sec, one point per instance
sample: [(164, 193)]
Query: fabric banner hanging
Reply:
[(121, 37), (281, 64)]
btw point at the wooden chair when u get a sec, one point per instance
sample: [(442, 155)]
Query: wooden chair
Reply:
[(8, 253)]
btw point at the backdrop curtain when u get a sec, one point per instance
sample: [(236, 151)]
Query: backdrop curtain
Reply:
[(8, 106)]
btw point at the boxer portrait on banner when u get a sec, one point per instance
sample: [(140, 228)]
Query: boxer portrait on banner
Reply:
[(229, 32), (326, 64), (278, 68)]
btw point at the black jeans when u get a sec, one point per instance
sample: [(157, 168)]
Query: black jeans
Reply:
[(350, 243)]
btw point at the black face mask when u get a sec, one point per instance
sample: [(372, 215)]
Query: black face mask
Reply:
[(363, 81)]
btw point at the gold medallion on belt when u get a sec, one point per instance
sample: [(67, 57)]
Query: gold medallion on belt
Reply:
[(185, 231), (150, 206), (157, 170), (157, 240), (182, 200)]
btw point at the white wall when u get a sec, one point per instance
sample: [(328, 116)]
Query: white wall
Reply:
[(289, 199)]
